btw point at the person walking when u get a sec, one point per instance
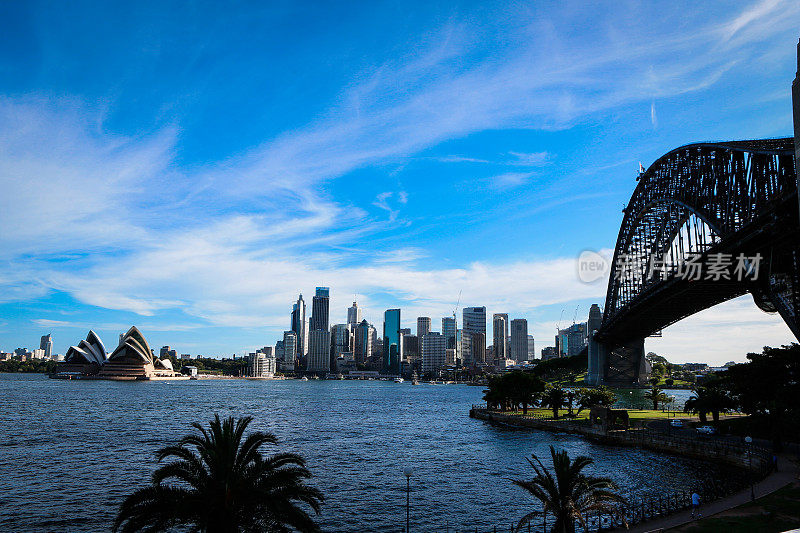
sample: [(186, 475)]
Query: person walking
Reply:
[(696, 505)]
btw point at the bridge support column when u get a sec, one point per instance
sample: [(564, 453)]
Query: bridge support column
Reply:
[(620, 364)]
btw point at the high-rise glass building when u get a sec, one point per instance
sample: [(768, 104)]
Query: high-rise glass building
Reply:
[(519, 339), (289, 346), (392, 341), (473, 321), (423, 326), (362, 349), (320, 306), (500, 336), (319, 351), (300, 325), (449, 331), (531, 348), (46, 344), (340, 339)]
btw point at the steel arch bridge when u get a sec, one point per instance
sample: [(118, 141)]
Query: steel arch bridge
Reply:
[(738, 199)]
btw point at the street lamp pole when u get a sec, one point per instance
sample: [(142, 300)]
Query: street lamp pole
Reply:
[(407, 471), (749, 440)]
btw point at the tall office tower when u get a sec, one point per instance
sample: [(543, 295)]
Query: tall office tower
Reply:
[(434, 352), (500, 331), (531, 348), (280, 350), (423, 326), (392, 342), (478, 348), (289, 346), (340, 339), (354, 315), (319, 351), (473, 320), (449, 331), (572, 340), (46, 344), (320, 306), (519, 339), (410, 347), (300, 325), (362, 349)]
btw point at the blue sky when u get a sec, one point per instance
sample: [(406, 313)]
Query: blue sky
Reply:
[(189, 168)]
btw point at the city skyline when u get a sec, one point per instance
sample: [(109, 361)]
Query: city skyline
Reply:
[(191, 191)]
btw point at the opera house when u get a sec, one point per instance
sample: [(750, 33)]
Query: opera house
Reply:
[(131, 360)]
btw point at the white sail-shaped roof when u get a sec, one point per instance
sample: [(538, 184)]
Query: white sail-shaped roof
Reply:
[(132, 348)]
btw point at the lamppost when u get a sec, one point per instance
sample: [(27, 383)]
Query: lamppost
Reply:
[(407, 471), (749, 440)]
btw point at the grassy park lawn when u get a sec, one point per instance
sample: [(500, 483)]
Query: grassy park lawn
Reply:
[(779, 511), (634, 414)]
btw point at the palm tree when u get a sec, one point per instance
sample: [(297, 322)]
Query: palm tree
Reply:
[(709, 399), (221, 482), (554, 398), (567, 493), (656, 395)]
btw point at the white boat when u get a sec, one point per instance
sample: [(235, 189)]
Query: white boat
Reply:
[(304, 378), (398, 380)]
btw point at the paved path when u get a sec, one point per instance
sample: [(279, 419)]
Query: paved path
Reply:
[(776, 480)]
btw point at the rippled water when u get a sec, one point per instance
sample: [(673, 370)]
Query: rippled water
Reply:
[(70, 451)]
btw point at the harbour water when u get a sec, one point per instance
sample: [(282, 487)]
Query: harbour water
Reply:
[(70, 451)]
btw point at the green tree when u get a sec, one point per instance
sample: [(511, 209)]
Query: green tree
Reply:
[(711, 398), (589, 397), (219, 481), (656, 395), (513, 389), (554, 398), (567, 493), (768, 387)]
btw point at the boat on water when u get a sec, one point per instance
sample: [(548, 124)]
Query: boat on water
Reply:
[(414, 380), (398, 380), (304, 378)]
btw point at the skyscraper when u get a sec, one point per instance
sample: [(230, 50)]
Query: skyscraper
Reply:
[(392, 341), (319, 351), (319, 337), (320, 306), (531, 348), (434, 352), (478, 345), (300, 325), (473, 321), (519, 339), (500, 337), (423, 326), (354, 316), (363, 342), (449, 331), (289, 346), (46, 344), (340, 339)]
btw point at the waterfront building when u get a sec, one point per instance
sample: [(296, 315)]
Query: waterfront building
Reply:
[(87, 357), (434, 352), (473, 320), (478, 348), (449, 331), (133, 359), (280, 351), (354, 316), (363, 342), (392, 342), (340, 339), (500, 337), (519, 340), (289, 346), (300, 325), (531, 348), (46, 344), (319, 351), (423, 326), (320, 308), (262, 365)]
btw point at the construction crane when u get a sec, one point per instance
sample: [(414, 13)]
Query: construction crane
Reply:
[(575, 315)]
